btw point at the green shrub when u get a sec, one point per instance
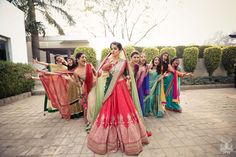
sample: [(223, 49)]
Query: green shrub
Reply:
[(190, 58), (201, 50), (229, 59), (89, 52), (150, 52), (12, 79), (212, 56), (170, 50), (207, 80), (129, 50), (161, 47), (105, 52), (138, 48), (180, 51)]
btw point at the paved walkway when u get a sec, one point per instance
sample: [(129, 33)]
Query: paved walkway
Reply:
[(209, 117)]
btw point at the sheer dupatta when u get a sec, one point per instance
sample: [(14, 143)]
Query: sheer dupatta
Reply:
[(176, 90), (101, 80)]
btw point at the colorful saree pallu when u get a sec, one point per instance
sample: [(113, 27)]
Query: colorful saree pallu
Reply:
[(153, 105), (56, 88), (172, 92), (52, 68), (143, 88)]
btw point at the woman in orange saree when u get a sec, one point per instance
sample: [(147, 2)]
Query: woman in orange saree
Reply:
[(118, 117)]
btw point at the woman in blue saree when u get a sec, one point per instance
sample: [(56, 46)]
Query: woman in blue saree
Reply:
[(142, 80)]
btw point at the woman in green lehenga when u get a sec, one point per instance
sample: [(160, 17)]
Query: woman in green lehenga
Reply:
[(153, 104)]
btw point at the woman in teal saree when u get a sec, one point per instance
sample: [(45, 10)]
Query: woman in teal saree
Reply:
[(153, 104), (172, 86), (118, 121)]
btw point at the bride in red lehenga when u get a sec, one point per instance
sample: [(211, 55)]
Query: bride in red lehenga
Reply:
[(118, 118)]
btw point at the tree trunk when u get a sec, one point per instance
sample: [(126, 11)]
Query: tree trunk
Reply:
[(34, 32), (35, 46)]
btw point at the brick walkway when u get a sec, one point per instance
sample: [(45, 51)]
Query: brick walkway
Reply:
[(209, 116)]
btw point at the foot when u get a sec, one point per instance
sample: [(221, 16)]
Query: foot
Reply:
[(177, 110), (149, 133), (170, 109)]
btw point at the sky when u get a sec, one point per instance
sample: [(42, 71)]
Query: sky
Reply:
[(187, 22)]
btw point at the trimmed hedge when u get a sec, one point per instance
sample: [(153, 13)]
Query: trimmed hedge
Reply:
[(129, 50), (212, 56), (180, 51), (190, 58), (201, 50), (170, 50), (89, 52), (161, 47), (105, 52), (150, 52), (12, 79), (229, 59), (138, 48), (207, 80)]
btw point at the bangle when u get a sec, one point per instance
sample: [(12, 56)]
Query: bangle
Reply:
[(128, 77)]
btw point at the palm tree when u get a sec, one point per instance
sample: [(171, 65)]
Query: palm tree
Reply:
[(45, 7)]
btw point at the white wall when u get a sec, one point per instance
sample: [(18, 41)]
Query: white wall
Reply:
[(12, 26)]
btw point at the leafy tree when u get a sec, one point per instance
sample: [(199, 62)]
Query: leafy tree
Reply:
[(229, 59), (105, 52), (89, 52), (190, 58), (129, 49), (150, 52), (212, 56), (131, 20), (170, 50), (46, 8)]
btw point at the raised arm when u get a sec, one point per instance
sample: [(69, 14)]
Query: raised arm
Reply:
[(181, 74), (107, 65), (35, 61)]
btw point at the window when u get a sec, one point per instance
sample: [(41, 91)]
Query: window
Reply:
[(4, 49)]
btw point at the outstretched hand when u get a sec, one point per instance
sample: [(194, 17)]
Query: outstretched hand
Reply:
[(189, 74), (28, 76), (67, 77), (35, 61)]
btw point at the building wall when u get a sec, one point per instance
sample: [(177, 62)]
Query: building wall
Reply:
[(12, 27)]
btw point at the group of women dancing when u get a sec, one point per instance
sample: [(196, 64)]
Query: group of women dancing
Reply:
[(115, 98)]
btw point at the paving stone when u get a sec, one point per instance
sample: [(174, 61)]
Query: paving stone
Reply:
[(208, 118)]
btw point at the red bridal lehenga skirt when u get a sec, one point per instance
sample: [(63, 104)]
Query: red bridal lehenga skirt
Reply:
[(118, 125)]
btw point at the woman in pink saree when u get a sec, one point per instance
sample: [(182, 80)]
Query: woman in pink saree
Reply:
[(118, 123)]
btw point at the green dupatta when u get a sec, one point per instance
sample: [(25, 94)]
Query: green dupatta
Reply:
[(101, 81)]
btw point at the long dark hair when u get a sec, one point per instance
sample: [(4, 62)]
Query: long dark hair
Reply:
[(172, 60), (136, 66), (55, 58), (78, 55), (164, 63), (74, 64), (117, 44), (158, 68)]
